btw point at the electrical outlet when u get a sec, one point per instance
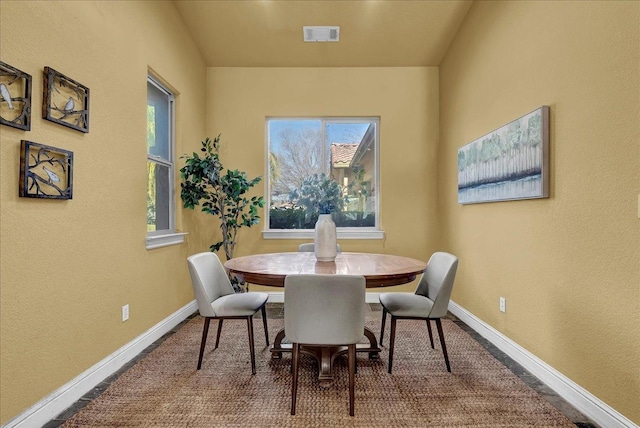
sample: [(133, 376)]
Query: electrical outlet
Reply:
[(503, 304), (125, 313)]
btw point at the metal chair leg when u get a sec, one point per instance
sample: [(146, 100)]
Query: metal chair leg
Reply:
[(252, 351), (384, 320), (392, 343), (444, 347), (352, 377), (219, 331), (264, 322), (294, 384), (203, 342), (430, 333)]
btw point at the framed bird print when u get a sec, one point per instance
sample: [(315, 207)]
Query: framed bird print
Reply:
[(65, 101), (45, 171), (15, 97)]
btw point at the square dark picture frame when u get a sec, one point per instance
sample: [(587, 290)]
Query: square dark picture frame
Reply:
[(65, 101), (15, 97), (45, 171)]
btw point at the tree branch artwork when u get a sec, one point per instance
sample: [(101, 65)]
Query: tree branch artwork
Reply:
[(65, 101), (15, 97), (45, 172)]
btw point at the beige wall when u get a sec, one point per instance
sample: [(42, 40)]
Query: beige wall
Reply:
[(67, 267), (568, 265), (406, 99)]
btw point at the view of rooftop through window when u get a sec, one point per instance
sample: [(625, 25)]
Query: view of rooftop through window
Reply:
[(322, 165)]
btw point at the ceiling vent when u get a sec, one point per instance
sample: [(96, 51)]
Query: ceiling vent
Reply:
[(321, 34)]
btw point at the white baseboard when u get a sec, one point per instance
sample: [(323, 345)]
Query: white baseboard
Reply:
[(576, 395), (278, 297), (372, 297), (59, 400)]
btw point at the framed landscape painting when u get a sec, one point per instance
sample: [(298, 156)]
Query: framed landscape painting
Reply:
[(509, 163)]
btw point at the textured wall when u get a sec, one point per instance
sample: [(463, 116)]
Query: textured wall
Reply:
[(67, 267), (406, 99), (569, 266)]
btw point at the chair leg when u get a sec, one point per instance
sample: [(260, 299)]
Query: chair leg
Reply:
[(205, 332), (252, 351), (294, 384), (219, 331), (392, 342), (264, 322), (444, 347), (430, 333), (384, 320), (352, 377)]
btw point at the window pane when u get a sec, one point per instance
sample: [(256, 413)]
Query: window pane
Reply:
[(158, 126), (158, 200), (353, 166), (160, 180), (309, 158), (296, 153)]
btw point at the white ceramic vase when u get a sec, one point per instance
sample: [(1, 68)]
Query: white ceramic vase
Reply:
[(326, 240)]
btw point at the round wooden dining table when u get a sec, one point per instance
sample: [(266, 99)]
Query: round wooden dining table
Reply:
[(379, 270)]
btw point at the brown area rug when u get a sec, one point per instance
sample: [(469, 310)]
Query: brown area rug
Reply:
[(165, 389)]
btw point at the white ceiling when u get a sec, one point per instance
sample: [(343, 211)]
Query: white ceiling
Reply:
[(373, 33)]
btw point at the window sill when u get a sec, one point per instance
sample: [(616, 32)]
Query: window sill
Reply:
[(159, 241), (308, 234)]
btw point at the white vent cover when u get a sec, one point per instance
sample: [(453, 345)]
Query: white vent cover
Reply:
[(321, 34)]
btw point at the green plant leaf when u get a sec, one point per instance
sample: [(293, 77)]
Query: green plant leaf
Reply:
[(221, 194)]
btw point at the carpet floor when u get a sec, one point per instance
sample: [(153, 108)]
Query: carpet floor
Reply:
[(164, 389)]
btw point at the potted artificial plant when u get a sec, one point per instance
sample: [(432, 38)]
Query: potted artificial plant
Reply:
[(221, 194)]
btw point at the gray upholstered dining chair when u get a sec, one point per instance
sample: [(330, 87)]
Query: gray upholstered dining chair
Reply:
[(309, 247), (429, 302), (324, 310), (217, 300)]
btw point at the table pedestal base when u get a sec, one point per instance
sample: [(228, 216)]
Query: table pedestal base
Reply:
[(326, 355)]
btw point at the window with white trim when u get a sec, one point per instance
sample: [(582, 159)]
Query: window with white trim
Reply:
[(160, 160), (321, 165)]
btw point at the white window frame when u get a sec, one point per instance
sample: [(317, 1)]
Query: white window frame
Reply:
[(343, 232), (165, 237)]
